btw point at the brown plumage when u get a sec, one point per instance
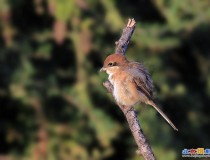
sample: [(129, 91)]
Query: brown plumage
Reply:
[(131, 82)]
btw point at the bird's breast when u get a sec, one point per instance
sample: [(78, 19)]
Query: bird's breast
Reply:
[(125, 92)]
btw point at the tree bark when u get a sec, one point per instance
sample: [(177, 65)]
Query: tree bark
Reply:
[(144, 148)]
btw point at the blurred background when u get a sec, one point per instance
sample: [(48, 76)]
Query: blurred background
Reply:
[(52, 102)]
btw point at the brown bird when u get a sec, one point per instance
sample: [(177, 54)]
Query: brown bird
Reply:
[(131, 82)]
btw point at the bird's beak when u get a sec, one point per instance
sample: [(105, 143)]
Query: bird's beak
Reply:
[(102, 69)]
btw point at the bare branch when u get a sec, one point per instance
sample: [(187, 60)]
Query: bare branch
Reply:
[(144, 148), (122, 43)]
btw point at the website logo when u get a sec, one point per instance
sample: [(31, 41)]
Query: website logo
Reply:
[(196, 153)]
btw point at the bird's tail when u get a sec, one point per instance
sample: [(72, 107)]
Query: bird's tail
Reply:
[(162, 114)]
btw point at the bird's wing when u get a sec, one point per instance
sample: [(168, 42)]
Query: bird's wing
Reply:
[(141, 78)]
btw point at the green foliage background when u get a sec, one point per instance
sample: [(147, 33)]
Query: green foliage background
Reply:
[(52, 103)]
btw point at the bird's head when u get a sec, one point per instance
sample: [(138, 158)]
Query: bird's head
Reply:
[(113, 63)]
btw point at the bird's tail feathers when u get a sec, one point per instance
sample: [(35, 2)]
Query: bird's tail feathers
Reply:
[(162, 114)]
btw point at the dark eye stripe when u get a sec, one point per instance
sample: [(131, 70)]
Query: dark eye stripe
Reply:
[(112, 64)]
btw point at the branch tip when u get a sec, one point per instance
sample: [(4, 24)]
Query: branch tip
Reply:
[(122, 43), (131, 22)]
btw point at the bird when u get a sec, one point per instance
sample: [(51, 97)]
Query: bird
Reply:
[(131, 83)]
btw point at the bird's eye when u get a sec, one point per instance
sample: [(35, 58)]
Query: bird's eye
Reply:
[(110, 64)]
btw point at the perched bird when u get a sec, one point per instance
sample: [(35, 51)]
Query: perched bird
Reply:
[(131, 82)]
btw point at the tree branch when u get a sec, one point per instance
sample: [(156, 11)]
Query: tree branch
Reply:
[(122, 43), (144, 148)]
